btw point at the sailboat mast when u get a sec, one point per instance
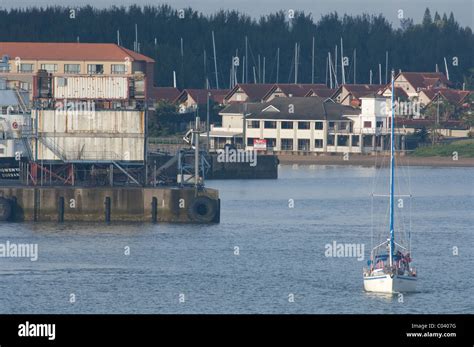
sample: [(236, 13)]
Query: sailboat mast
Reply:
[(392, 168)]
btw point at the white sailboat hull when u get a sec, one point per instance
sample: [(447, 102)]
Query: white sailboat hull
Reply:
[(388, 284)]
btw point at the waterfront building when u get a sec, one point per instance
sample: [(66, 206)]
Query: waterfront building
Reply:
[(304, 125)]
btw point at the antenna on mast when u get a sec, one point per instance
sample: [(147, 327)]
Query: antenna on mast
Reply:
[(380, 73), (182, 63), (355, 65), (246, 61), (206, 80), (342, 65), (327, 64), (296, 62), (215, 59), (330, 69), (312, 64), (278, 64), (446, 68), (136, 48)]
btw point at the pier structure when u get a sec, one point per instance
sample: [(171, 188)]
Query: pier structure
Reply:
[(83, 154)]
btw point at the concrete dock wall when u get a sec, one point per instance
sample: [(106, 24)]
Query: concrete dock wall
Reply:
[(96, 204)]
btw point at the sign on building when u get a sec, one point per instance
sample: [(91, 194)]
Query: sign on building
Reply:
[(260, 145)]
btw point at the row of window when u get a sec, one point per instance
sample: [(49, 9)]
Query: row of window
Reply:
[(75, 68), (303, 125), (304, 144), (368, 124), (255, 124)]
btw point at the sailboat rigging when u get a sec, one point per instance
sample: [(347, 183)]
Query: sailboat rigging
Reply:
[(389, 268)]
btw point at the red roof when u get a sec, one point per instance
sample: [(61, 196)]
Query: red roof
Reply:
[(200, 95), (295, 90), (70, 51), (358, 90), (399, 92), (452, 95), (424, 80), (255, 92), (323, 93), (164, 93)]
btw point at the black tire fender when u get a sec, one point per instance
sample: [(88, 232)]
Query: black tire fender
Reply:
[(203, 209)]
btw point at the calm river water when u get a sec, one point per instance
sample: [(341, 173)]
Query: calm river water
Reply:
[(263, 253)]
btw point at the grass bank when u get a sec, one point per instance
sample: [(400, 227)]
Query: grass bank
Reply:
[(464, 149)]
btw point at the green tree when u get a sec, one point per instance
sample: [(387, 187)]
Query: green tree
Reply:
[(427, 18)]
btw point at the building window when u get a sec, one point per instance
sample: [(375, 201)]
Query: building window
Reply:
[(332, 125), (286, 125), (250, 141), (95, 69), (331, 140), (367, 141), (49, 67), (62, 82), (318, 143), (271, 143), (303, 125), (367, 124), (119, 68), (343, 140), (25, 86), (270, 124), (355, 140), (379, 124), (303, 145), (25, 68), (72, 68), (319, 125), (343, 126), (2, 150), (286, 144), (253, 124)]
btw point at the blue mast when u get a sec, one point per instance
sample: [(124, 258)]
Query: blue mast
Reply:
[(392, 168)]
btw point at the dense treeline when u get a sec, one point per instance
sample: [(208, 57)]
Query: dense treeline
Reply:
[(412, 47)]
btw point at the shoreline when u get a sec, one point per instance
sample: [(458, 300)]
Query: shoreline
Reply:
[(374, 160)]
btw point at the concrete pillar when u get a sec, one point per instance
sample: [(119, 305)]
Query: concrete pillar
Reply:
[(374, 143), (278, 137), (295, 136), (325, 136)]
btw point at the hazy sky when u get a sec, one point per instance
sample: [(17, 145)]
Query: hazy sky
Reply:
[(463, 9)]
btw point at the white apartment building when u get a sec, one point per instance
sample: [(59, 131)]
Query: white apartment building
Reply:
[(305, 125)]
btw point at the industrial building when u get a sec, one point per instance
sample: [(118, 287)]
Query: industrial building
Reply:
[(86, 105), (79, 131), (24, 60)]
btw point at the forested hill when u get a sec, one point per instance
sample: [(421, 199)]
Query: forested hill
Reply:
[(411, 47)]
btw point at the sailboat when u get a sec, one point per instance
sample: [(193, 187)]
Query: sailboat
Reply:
[(389, 268)]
